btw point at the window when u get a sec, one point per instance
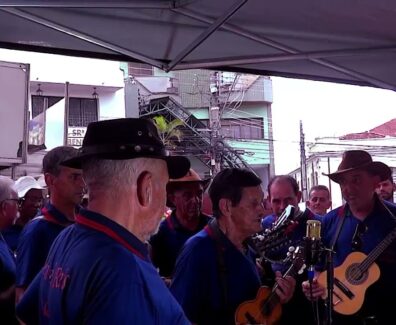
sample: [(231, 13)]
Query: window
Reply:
[(82, 111), (41, 103), (242, 128), (140, 69)]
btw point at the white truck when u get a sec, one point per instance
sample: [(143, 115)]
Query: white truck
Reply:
[(14, 95)]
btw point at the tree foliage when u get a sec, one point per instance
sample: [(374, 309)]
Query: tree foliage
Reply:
[(168, 131)]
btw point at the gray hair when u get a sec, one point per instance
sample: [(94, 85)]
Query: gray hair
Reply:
[(115, 176), (6, 188)]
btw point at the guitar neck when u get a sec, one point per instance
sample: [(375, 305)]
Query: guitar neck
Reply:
[(273, 298), (377, 251)]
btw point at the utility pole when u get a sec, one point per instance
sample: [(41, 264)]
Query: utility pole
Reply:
[(214, 123), (303, 164)]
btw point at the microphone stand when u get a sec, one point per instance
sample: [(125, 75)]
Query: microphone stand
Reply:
[(330, 286)]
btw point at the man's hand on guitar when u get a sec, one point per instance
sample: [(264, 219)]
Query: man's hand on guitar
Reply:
[(316, 292), (286, 286)]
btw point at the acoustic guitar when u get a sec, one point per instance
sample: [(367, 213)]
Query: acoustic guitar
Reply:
[(266, 308), (354, 276)]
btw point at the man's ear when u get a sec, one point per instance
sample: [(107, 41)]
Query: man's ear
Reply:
[(329, 204), (49, 179), (307, 203), (225, 207), (144, 188)]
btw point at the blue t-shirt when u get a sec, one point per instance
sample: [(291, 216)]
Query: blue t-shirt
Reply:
[(11, 236), (197, 284), (168, 241), (35, 241), (7, 279), (380, 297), (293, 236), (97, 272)]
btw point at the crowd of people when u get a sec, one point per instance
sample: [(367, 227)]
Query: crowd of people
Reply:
[(118, 260)]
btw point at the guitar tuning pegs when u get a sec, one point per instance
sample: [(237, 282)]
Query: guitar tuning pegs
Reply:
[(301, 270)]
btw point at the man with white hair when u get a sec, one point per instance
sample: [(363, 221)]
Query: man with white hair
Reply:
[(30, 194), (8, 212), (98, 271)]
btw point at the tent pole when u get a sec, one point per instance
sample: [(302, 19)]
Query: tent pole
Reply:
[(82, 36), (209, 31)]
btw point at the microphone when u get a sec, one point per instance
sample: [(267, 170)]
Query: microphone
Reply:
[(312, 246)]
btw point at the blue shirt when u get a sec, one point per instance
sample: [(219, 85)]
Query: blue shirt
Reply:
[(380, 298), (197, 284), (35, 241), (293, 236), (97, 272), (168, 241), (11, 236), (7, 279)]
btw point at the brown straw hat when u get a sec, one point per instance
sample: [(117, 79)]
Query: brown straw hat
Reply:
[(191, 177)]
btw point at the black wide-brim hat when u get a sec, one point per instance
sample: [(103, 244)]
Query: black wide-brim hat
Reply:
[(360, 160), (127, 138)]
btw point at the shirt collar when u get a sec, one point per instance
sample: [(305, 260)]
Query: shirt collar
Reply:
[(115, 231), (52, 214), (203, 220)]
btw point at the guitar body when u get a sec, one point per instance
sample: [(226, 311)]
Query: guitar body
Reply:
[(350, 284), (252, 311)]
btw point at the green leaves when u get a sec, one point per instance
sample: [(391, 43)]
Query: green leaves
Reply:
[(168, 131)]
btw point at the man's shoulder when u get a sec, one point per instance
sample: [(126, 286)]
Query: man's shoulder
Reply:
[(200, 243), (35, 226), (337, 212), (390, 205)]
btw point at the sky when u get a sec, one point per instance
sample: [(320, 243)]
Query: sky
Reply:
[(325, 109)]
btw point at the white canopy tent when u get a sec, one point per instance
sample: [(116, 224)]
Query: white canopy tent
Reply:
[(339, 41)]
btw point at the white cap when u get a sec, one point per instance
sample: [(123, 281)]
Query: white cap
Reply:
[(41, 181), (25, 184)]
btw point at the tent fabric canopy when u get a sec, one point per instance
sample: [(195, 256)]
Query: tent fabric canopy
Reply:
[(348, 42)]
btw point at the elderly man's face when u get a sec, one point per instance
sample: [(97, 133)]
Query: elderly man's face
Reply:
[(357, 187), (9, 211), (158, 200), (187, 199), (247, 214), (282, 195)]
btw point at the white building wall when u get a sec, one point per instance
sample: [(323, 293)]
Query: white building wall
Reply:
[(52, 72)]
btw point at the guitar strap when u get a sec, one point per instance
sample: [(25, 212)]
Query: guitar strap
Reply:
[(221, 266), (339, 227), (347, 213)]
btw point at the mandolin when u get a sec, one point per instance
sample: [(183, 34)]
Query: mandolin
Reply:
[(266, 308)]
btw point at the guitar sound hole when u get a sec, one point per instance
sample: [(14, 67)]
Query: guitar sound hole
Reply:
[(354, 275)]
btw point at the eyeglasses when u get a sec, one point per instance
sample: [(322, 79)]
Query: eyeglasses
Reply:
[(15, 200), (357, 243)]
